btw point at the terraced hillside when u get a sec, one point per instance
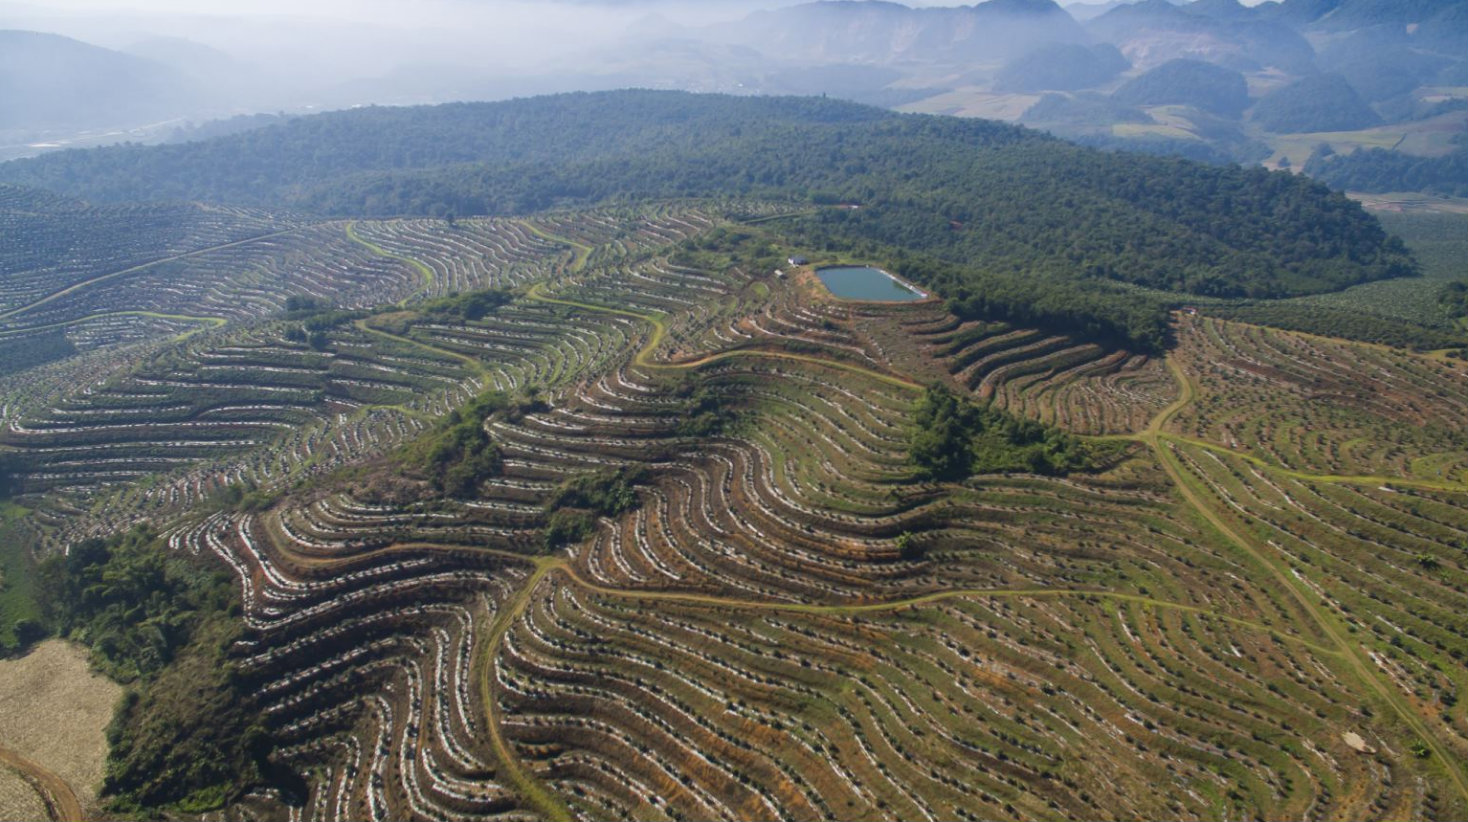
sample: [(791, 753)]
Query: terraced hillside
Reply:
[(231, 388), (697, 575)]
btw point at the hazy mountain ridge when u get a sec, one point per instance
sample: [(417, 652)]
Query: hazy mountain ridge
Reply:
[(1155, 31), (52, 82), (883, 32), (995, 59)]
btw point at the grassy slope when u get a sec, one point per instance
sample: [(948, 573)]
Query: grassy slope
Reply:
[(17, 575), (1440, 243)]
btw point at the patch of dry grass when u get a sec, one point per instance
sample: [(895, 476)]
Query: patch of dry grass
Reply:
[(54, 710), (18, 800)]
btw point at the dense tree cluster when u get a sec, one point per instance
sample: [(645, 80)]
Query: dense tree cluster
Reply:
[(608, 493), (317, 318), (1454, 297), (573, 508), (1378, 170), (952, 438), (1221, 232), (470, 307), (276, 165), (184, 735), (705, 413), (995, 196), (133, 605), (190, 740), (460, 454)]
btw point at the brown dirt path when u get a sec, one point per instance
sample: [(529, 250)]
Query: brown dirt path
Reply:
[(61, 802)]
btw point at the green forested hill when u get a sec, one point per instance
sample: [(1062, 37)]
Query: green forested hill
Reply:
[(1203, 85), (990, 196), (1323, 102), (282, 163)]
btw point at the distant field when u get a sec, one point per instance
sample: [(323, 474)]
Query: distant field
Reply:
[(1159, 130), (1409, 202), (974, 101), (1438, 93), (1427, 138)]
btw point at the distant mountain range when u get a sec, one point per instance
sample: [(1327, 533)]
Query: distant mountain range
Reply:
[(52, 82), (880, 32), (1117, 75)]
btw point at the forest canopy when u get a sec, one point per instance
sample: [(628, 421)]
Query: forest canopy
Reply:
[(1036, 228), (1323, 102), (984, 192), (1378, 170)]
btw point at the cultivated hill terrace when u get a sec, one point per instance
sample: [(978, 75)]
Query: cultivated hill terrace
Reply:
[(590, 513)]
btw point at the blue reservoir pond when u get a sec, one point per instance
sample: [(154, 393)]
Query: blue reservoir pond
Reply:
[(867, 283)]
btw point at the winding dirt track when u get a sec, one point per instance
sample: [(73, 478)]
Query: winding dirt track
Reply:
[(61, 803), (1354, 655)]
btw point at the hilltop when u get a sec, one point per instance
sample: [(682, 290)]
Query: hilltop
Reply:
[(996, 197)]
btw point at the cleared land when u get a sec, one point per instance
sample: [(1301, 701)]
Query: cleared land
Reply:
[(702, 580), (53, 711), (18, 798)]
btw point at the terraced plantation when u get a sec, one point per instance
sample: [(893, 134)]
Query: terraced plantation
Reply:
[(554, 518)]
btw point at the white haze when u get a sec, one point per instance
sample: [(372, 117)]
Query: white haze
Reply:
[(350, 37), (338, 37), (310, 55)]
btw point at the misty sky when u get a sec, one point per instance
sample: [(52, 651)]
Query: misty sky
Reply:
[(304, 55), (494, 30), (340, 40), (420, 12), (396, 9)]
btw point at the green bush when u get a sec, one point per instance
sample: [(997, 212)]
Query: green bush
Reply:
[(704, 413), (473, 306), (608, 492), (567, 527), (131, 603), (953, 439), (459, 455), (573, 508)]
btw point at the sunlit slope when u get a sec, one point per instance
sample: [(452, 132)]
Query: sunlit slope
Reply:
[(988, 195), (780, 622)]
